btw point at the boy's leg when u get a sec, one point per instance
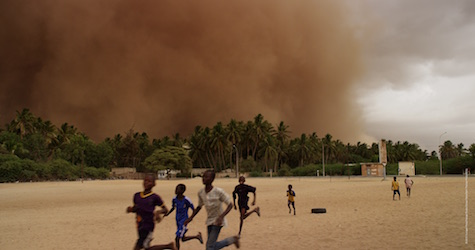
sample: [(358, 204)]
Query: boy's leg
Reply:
[(145, 237), (241, 219), (288, 204), (228, 241), (177, 242), (170, 245), (293, 205), (198, 237), (213, 233), (255, 210)]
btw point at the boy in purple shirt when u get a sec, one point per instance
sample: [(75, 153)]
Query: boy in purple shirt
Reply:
[(144, 206), (182, 204)]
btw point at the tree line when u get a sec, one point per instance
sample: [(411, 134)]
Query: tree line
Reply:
[(34, 149)]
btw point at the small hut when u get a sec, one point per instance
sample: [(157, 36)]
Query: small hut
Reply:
[(372, 169), (407, 168)]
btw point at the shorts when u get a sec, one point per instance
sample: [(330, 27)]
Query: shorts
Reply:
[(396, 192), (181, 230), (291, 202), (145, 237), (243, 205)]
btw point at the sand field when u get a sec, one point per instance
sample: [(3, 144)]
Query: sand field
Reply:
[(360, 214)]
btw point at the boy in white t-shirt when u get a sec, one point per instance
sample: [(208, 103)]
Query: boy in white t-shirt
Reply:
[(213, 198)]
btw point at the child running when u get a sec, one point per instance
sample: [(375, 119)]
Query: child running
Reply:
[(395, 188), (144, 206), (409, 182), (212, 198), (182, 204), (241, 191), (291, 199)]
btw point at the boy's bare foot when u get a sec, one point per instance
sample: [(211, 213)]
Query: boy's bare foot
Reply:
[(200, 238), (258, 211), (236, 242)]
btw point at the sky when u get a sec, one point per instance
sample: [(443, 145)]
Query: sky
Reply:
[(361, 70), (421, 78)]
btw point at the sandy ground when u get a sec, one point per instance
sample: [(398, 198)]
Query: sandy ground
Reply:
[(360, 214)]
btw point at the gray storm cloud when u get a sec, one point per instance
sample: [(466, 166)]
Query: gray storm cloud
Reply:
[(166, 66)]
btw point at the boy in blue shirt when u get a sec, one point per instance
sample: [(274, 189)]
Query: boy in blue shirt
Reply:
[(182, 204)]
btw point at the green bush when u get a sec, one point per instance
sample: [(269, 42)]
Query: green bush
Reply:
[(392, 169), (248, 165), (8, 157), (457, 165), (64, 170), (284, 170), (334, 169), (10, 171), (256, 174), (308, 170), (430, 167), (96, 173)]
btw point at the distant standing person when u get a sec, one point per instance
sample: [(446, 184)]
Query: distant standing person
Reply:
[(182, 204), (395, 188), (213, 198), (241, 191), (291, 198), (144, 206), (409, 183)]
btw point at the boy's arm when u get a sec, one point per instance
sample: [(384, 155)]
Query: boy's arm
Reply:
[(164, 209), (220, 219), (234, 199), (131, 209), (195, 212), (169, 212)]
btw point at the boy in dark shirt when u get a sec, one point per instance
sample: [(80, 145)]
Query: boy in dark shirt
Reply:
[(144, 206), (241, 191)]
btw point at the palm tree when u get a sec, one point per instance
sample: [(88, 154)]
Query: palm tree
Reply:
[(261, 130), (448, 150), (206, 144), (460, 149), (219, 143), (328, 148), (23, 123), (233, 135), (471, 149), (281, 135), (197, 150), (269, 152), (177, 140), (65, 133), (303, 149)]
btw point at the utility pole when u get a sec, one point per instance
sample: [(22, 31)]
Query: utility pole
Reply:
[(440, 152)]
